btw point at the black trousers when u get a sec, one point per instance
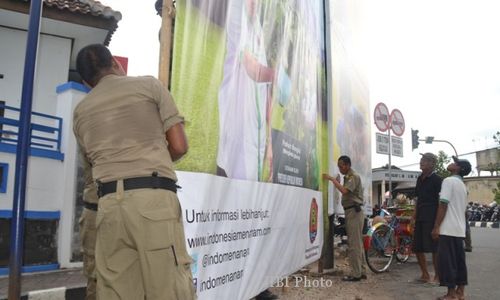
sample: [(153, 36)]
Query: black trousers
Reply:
[(451, 261)]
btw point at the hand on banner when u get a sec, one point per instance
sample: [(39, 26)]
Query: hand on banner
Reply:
[(331, 178), (335, 181)]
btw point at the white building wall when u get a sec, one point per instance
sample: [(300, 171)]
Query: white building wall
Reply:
[(44, 175), (52, 68), (51, 183), (43, 181), (11, 54)]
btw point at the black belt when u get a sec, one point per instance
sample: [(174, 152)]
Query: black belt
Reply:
[(353, 206), (91, 206), (150, 182)]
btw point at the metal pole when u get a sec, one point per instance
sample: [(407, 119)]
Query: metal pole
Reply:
[(382, 192), (167, 15), (327, 257), (17, 223), (390, 166), (443, 141)]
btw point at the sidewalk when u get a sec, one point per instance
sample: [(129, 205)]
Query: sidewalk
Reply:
[(59, 284), (484, 224), (70, 283)]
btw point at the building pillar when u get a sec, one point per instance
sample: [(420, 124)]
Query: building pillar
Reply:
[(68, 96)]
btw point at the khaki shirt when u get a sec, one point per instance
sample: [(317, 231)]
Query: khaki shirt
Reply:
[(120, 127), (352, 182)]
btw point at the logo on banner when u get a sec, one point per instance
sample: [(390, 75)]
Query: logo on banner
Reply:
[(313, 221)]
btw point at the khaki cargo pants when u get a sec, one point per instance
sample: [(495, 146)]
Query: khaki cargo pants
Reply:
[(356, 253), (88, 237), (141, 250)]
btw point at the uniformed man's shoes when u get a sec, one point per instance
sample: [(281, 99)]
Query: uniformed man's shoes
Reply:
[(266, 295), (352, 278)]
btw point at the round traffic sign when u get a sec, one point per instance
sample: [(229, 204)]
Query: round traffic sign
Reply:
[(381, 117), (397, 122)]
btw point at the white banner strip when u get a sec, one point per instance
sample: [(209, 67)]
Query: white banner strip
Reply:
[(244, 236)]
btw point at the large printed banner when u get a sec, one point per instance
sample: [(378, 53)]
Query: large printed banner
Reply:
[(245, 236), (351, 123), (248, 76)]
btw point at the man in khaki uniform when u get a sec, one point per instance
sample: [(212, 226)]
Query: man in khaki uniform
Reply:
[(352, 200), (130, 132)]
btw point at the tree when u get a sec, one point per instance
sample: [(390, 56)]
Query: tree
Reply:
[(496, 137), (442, 164), (496, 193)]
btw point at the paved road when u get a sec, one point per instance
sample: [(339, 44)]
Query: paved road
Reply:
[(483, 269), (483, 264)]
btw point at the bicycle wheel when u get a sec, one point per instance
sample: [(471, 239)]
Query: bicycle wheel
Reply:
[(404, 249), (380, 251)]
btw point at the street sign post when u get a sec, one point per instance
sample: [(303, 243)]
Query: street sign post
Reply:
[(396, 146), (397, 122), (387, 144), (382, 145), (381, 117)]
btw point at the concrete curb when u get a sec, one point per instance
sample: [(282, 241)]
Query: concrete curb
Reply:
[(60, 293), (484, 224)]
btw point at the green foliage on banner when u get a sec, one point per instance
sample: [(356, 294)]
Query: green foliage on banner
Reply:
[(195, 92), (285, 37), (294, 110)]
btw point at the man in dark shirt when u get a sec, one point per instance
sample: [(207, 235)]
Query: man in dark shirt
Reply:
[(427, 192)]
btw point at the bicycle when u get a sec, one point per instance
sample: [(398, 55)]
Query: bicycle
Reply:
[(384, 241)]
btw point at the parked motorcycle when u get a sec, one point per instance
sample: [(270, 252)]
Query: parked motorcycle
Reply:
[(483, 213)]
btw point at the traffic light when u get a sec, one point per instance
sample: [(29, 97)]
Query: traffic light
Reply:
[(414, 139)]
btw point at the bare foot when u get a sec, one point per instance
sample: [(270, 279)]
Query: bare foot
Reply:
[(422, 280), (425, 278), (460, 293)]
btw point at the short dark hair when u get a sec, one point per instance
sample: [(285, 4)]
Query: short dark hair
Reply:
[(91, 61), (465, 166), (345, 159)]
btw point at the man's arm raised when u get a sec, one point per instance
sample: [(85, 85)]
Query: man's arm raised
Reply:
[(177, 141)]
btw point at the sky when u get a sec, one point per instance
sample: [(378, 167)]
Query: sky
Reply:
[(137, 35), (437, 61)]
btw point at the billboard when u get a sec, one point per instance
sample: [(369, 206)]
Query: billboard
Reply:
[(350, 110), (249, 78)]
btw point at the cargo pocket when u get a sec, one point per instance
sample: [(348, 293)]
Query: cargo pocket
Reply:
[(159, 227), (160, 253)]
